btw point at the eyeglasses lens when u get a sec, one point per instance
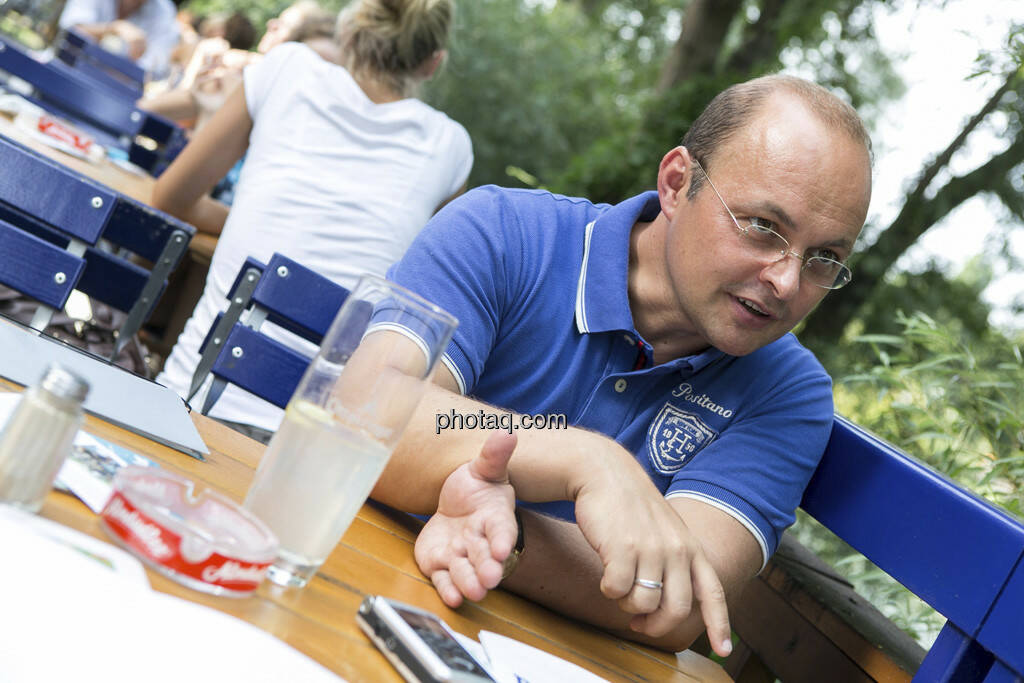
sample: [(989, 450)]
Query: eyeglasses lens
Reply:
[(823, 272)]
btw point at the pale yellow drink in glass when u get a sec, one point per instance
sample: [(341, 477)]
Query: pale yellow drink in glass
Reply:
[(313, 479)]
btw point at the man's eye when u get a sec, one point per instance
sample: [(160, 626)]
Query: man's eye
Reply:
[(762, 225), (827, 253)]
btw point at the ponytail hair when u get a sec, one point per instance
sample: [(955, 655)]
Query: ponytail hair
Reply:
[(390, 39)]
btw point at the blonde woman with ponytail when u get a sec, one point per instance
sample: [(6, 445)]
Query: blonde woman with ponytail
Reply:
[(343, 167)]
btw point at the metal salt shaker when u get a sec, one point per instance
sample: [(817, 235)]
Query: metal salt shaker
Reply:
[(38, 437)]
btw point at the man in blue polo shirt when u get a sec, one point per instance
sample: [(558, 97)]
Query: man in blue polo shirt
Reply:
[(659, 327)]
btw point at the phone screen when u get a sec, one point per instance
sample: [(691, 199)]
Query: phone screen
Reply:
[(441, 642)]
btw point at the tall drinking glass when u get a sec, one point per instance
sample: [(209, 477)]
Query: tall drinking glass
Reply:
[(344, 420)]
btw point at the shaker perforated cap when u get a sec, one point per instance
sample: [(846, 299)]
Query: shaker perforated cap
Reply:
[(61, 382)]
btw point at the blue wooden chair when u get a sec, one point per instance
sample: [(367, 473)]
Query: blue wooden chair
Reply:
[(958, 553), (106, 113), (83, 53), (285, 293), (62, 231), (961, 555)]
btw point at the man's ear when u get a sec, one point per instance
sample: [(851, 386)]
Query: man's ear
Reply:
[(674, 175)]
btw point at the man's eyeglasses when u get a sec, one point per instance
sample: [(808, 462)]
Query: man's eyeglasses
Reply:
[(769, 245)]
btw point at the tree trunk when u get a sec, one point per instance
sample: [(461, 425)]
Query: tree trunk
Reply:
[(705, 25), (761, 42)]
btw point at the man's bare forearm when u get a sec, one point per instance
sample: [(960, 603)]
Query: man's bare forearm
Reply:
[(546, 465)]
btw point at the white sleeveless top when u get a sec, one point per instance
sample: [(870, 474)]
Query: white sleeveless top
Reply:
[(331, 179)]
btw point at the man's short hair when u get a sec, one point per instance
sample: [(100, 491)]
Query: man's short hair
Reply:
[(735, 106)]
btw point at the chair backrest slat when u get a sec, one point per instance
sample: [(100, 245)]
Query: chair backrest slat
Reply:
[(53, 193), (298, 299), (916, 525), (90, 49), (90, 68), (112, 279), (36, 267), (142, 229), (266, 367)]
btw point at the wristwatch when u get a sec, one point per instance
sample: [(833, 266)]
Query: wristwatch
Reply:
[(510, 563)]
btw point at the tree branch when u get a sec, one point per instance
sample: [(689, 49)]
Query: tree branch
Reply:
[(930, 171), (916, 217)]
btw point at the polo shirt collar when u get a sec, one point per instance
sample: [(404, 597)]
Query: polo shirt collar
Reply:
[(602, 291)]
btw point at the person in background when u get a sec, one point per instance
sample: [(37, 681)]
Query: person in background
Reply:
[(303, 18), (144, 30), (344, 166), (188, 38), (215, 68)]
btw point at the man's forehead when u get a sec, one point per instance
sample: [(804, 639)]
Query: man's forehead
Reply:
[(789, 154)]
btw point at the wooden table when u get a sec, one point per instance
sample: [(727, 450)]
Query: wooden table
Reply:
[(374, 557)]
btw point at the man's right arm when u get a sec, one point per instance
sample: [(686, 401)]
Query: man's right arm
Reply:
[(616, 503)]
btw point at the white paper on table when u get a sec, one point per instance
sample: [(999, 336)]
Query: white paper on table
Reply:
[(68, 617), (89, 552), (476, 651), (514, 662)]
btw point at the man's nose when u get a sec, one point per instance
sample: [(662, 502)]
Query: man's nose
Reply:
[(784, 275)]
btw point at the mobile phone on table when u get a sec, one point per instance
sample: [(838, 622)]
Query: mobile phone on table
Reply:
[(417, 643)]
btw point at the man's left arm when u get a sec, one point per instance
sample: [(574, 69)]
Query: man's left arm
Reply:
[(575, 589)]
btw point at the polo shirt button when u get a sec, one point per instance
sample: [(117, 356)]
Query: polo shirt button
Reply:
[(629, 340), (620, 385)]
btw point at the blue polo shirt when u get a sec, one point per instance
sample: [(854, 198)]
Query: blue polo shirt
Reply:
[(538, 282)]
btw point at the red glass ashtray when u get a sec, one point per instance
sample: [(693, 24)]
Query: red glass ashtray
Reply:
[(206, 542)]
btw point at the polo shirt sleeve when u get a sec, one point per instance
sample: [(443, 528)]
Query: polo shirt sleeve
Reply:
[(757, 469), (459, 262)]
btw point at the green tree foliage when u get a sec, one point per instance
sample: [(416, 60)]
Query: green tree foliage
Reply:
[(723, 42), (534, 86)]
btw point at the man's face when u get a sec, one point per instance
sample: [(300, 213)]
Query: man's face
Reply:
[(785, 170)]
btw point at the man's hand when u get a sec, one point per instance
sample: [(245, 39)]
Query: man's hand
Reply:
[(463, 545), (640, 536)]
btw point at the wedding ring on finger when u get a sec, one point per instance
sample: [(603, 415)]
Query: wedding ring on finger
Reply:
[(648, 583)]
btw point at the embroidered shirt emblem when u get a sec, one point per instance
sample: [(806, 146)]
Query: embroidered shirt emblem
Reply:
[(674, 437)]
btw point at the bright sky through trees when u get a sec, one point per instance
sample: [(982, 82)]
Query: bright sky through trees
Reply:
[(937, 48)]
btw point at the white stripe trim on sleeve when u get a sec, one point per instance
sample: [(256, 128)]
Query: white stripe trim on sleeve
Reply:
[(732, 512), (456, 373), (402, 330)]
